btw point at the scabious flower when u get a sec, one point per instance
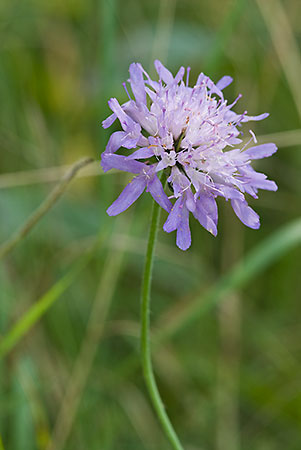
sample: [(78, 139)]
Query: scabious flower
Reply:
[(191, 134)]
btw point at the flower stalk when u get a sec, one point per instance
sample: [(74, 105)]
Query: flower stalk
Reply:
[(145, 333)]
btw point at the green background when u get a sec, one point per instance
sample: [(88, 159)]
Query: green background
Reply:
[(230, 377)]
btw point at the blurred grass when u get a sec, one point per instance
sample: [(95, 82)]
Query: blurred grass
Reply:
[(59, 64), (41, 306)]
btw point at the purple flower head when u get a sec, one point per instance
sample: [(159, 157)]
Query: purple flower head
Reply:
[(192, 134)]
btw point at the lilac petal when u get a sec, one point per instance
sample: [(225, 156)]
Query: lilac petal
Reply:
[(206, 222), (268, 185), (129, 141), (140, 115), (115, 142), (190, 201), (234, 141), (179, 181), (178, 219), (128, 196), (156, 190), (154, 84), (232, 113), (126, 122), (231, 116), (112, 161), (152, 95), (118, 111), (246, 214), (161, 165), (137, 83), (214, 89), (259, 117), (179, 75), (109, 121), (167, 160), (201, 79), (142, 153), (252, 179), (142, 141), (172, 221), (224, 82), (183, 229), (263, 183), (229, 192), (206, 213), (209, 204), (163, 73), (260, 151)]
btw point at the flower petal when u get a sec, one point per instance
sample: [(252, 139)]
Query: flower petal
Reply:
[(179, 181), (179, 75), (178, 219), (115, 142), (229, 192), (128, 196), (259, 117), (112, 161), (246, 214), (260, 151), (109, 121), (183, 229), (128, 124), (163, 73), (129, 141), (156, 190), (206, 213), (268, 185), (174, 217), (190, 201), (213, 88), (154, 84), (224, 82), (142, 153), (137, 83)]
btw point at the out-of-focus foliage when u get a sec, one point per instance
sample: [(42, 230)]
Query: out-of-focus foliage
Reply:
[(231, 379)]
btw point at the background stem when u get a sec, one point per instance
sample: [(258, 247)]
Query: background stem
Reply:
[(47, 204)]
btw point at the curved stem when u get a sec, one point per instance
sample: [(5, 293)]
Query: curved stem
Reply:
[(145, 333), (44, 207)]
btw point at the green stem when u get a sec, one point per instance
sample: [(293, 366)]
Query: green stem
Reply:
[(145, 333)]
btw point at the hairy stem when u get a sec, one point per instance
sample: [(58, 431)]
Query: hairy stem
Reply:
[(145, 334)]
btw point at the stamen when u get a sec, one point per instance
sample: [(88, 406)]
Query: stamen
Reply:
[(185, 189), (187, 76), (146, 174), (253, 135), (126, 90)]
